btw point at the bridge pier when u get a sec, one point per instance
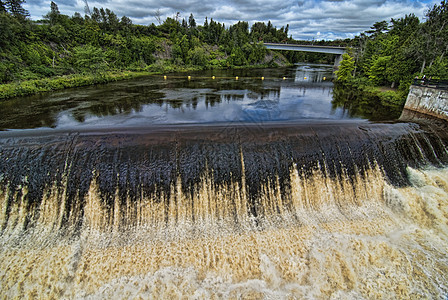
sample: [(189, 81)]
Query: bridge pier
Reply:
[(337, 61)]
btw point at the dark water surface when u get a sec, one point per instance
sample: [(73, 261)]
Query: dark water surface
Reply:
[(305, 94)]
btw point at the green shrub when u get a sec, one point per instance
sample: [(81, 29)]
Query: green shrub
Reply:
[(89, 58), (345, 71), (30, 87)]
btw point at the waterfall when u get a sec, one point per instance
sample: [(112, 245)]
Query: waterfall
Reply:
[(353, 210)]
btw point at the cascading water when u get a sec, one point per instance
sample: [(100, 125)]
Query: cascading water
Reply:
[(353, 210)]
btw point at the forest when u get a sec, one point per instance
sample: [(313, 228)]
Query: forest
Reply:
[(385, 59), (62, 51), (100, 41), (393, 53)]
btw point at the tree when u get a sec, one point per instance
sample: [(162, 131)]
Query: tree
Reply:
[(158, 16), (437, 29), (192, 21), (87, 8), (103, 17), (54, 14), (16, 9), (184, 46), (125, 21), (170, 26), (197, 56), (96, 15), (405, 27), (255, 52), (346, 68), (10, 32), (431, 40), (89, 58), (378, 71), (237, 57), (112, 20), (378, 28)]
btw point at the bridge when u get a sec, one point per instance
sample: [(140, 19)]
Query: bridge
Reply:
[(338, 51)]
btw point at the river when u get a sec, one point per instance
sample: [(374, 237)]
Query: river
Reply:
[(220, 188), (305, 93)]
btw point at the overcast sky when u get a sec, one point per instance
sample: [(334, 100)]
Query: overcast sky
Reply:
[(315, 19)]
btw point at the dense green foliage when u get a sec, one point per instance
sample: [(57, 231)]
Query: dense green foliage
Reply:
[(394, 53), (100, 42), (101, 45), (345, 71), (30, 87)]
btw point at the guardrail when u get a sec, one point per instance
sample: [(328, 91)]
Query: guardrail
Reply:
[(432, 83)]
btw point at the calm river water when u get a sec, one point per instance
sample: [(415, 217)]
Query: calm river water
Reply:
[(305, 93)]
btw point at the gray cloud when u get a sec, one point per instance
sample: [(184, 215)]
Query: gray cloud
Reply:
[(318, 19)]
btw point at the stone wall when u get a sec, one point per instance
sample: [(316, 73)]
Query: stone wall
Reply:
[(427, 100)]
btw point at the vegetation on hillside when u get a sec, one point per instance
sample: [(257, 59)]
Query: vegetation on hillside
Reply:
[(100, 46), (393, 53), (100, 41)]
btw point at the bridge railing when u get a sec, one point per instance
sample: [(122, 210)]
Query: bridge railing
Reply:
[(433, 83)]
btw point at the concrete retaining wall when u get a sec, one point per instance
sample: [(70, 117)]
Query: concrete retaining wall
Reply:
[(428, 101)]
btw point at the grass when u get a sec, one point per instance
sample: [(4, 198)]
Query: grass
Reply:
[(35, 86), (30, 87)]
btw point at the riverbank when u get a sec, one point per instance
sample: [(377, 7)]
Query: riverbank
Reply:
[(31, 87), (360, 98), (36, 86)]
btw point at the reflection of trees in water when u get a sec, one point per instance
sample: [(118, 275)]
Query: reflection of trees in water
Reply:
[(212, 99), (273, 93), (131, 97), (232, 97), (30, 112), (362, 104), (185, 93), (126, 102), (193, 103)]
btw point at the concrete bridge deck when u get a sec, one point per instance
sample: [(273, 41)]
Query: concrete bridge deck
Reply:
[(338, 51), (307, 48)]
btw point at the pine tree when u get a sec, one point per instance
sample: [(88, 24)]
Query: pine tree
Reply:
[(192, 21), (54, 14), (16, 9), (346, 68)]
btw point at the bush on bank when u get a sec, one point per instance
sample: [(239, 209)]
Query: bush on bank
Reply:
[(30, 87)]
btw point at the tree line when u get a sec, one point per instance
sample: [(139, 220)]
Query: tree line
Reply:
[(393, 53), (390, 53), (100, 41)]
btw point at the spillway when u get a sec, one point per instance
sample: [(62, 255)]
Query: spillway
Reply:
[(316, 210)]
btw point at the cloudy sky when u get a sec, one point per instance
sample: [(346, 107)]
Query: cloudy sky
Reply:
[(307, 19)]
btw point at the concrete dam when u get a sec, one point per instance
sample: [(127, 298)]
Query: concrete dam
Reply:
[(428, 100)]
